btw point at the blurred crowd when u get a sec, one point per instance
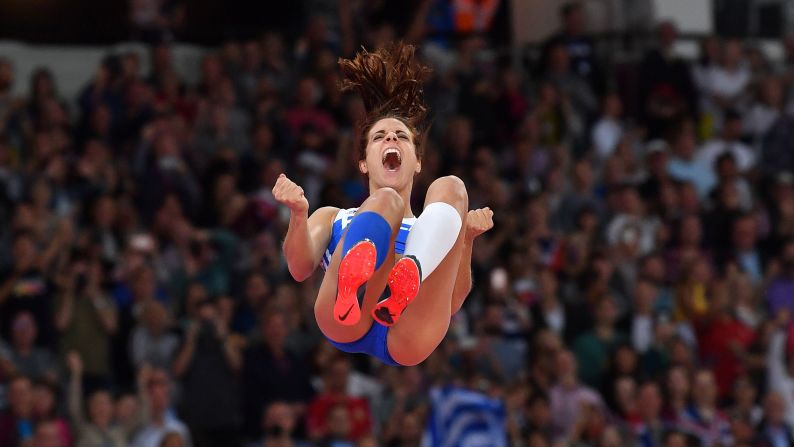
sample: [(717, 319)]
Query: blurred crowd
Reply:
[(637, 289)]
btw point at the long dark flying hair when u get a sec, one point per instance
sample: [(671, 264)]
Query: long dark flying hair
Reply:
[(389, 81)]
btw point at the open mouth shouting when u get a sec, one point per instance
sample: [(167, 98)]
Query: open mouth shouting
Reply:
[(392, 159)]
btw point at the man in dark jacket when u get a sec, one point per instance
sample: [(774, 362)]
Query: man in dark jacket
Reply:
[(773, 431)]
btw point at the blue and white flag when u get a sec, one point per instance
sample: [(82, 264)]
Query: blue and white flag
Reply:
[(464, 418)]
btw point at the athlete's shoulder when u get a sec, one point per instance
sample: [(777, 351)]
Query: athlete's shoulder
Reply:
[(327, 211), (326, 215)]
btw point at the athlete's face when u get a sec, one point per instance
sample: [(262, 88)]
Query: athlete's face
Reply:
[(391, 155)]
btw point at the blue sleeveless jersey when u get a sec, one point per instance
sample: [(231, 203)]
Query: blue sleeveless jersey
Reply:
[(342, 220)]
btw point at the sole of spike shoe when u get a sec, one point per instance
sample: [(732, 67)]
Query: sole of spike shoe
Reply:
[(356, 268), (404, 283)]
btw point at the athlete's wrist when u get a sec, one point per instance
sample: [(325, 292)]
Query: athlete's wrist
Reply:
[(299, 215)]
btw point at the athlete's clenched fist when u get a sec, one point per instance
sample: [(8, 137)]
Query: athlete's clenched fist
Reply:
[(478, 222), (288, 193)]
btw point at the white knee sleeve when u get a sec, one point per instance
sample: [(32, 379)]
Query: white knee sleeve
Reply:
[(433, 235)]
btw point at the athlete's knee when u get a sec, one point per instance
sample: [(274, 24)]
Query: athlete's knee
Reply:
[(389, 198), (450, 183), (410, 349), (450, 189), (414, 360), (412, 357)]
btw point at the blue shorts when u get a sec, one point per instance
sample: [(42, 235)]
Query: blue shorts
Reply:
[(372, 343)]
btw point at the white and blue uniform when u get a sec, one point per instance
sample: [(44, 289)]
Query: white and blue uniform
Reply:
[(342, 220)]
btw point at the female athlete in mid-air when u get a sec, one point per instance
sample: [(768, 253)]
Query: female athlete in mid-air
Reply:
[(363, 302)]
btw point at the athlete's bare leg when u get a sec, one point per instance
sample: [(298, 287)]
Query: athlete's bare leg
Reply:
[(425, 322), (388, 203)]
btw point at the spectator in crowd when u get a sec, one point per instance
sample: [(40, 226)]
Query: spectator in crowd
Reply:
[(667, 90), (641, 323), (728, 142), (405, 394), (27, 358), (649, 428), (279, 425), (264, 383), (87, 319), (337, 427), (99, 427), (731, 182), (579, 196), (162, 419), (773, 429), (745, 398), (538, 417), (779, 287), (703, 418), (685, 165), (764, 111), (744, 250), (17, 420), (723, 339), (774, 157), (678, 390), (657, 182), (723, 84), (608, 130), (45, 400), (548, 311), (152, 342), (334, 414), (708, 58), (568, 397), (584, 57), (207, 365), (572, 88), (26, 287), (256, 296), (593, 347), (47, 435)]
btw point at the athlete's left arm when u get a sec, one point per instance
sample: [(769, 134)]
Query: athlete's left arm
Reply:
[(477, 222)]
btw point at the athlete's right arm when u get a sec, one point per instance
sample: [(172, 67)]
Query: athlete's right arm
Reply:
[(307, 237)]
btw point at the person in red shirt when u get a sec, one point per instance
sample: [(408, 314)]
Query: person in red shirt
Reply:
[(723, 339), (333, 396)]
